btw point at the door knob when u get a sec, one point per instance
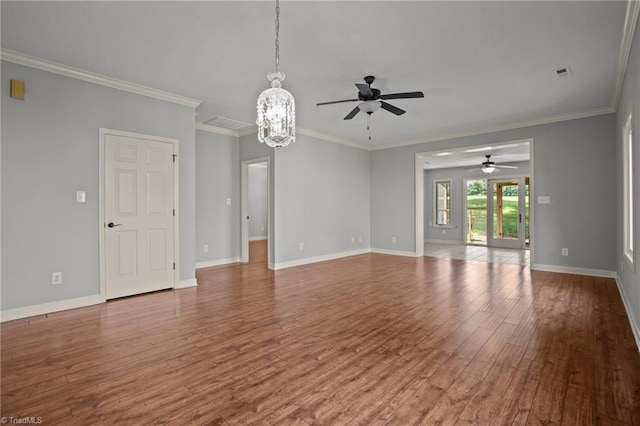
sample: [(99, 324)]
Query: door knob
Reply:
[(111, 224)]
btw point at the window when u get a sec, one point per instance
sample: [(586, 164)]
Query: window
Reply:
[(442, 202), (628, 177)]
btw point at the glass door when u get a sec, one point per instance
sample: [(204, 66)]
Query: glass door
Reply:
[(476, 217), (507, 206)]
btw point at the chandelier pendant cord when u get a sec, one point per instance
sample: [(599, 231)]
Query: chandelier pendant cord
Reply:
[(277, 36)]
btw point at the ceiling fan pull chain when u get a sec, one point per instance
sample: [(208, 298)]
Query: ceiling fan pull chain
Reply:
[(369, 125)]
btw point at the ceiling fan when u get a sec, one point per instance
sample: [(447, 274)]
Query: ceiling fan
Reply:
[(372, 99), (489, 166)]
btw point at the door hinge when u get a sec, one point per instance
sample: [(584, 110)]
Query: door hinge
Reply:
[(174, 157), (174, 212), (174, 266)]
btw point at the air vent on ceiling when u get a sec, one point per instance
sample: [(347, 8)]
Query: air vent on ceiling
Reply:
[(563, 72), (227, 123)]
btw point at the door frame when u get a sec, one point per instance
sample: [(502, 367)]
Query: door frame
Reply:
[(102, 203), (520, 180), (419, 191), (244, 227)]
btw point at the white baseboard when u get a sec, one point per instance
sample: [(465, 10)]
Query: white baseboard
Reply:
[(632, 320), (186, 284), (217, 262), (576, 271), (257, 238), (47, 308), (429, 241), (315, 259), (394, 252)]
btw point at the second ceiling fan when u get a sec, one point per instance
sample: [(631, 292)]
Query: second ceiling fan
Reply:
[(371, 99), (488, 166)]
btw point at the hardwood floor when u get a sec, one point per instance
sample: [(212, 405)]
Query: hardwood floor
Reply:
[(372, 340)]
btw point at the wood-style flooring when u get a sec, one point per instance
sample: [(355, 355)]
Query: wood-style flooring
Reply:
[(371, 340)]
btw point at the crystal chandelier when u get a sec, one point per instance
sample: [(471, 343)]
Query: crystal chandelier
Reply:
[(276, 107)]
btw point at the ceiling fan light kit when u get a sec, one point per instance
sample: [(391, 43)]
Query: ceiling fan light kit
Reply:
[(488, 166), (276, 106), (369, 106)]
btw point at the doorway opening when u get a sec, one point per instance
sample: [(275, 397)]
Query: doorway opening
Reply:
[(510, 212), (489, 208), (258, 215), (256, 211)]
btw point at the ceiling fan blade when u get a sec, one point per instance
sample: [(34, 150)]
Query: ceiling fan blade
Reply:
[(365, 90), (393, 109), (352, 113), (506, 167), (337, 102), (406, 95)]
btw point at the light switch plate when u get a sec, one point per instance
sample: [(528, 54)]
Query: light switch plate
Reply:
[(81, 196), (544, 199)]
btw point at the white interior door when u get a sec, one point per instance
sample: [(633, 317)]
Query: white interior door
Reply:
[(139, 215)]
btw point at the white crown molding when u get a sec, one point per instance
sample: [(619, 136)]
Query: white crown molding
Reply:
[(249, 131), (329, 138), (102, 80), (630, 21), (314, 134), (517, 125), (218, 130)]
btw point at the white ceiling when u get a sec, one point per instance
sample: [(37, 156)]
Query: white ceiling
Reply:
[(482, 65)]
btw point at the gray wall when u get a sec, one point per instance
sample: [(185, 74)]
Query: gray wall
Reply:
[(629, 100), (322, 199), (458, 193), (50, 150), (217, 179), (257, 201), (566, 154)]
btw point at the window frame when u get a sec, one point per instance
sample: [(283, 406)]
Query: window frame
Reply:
[(628, 176), (449, 210)]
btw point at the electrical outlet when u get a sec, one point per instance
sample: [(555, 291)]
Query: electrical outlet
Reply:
[(444, 232), (565, 252), (228, 201), (56, 278), (394, 240), (353, 240), (262, 228), (205, 248), (301, 246), (359, 239)]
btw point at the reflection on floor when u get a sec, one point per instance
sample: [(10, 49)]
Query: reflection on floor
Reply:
[(478, 253)]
